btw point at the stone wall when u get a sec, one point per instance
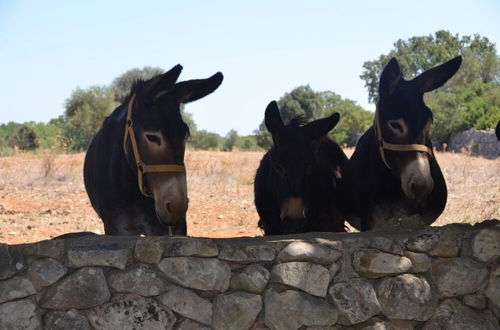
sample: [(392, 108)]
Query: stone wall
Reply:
[(478, 143), (438, 278)]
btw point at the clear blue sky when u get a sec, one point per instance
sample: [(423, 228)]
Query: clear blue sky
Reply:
[(264, 48)]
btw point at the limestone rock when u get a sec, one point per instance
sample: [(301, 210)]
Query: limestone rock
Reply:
[(374, 263), (486, 245), (493, 290), (197, 273), (46, 271), (128, 312), (253, 278), (452, 315), (449, 242), (11, 261), (306, 276), (475, 300), (457, 276), (236, 310), (20, 314), (407, 297), (149, 250), (95, 256), (84, 288), (247, 254), (63, 320), (355, 301), (53, 248), (188, 304), (303, 251), (387, 245), (437, 241), (19, 286), (420, 262), (424, 240), (188, 324), (292, 309), (190, 247), (139, 279)]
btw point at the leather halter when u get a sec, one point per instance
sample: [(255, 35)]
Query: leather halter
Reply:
[(143, 168), (394, 147)]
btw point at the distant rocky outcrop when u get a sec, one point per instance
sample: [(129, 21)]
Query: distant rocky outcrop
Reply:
[(475, 142)]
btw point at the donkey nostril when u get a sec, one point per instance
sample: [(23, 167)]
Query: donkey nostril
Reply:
[(168, 207)]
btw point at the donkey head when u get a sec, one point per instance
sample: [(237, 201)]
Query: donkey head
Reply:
[(161, 136), (292, 157), (404, 119)]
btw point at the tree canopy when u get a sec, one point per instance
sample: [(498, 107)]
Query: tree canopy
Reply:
[(471, 99), (303, 101)]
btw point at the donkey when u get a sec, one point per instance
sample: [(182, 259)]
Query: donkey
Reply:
[(134, 168), (393, 179), (295, 184)]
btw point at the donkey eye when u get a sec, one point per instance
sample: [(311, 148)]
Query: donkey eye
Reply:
[(153, 138), (395, 125)]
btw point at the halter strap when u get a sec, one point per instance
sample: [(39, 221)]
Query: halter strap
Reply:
[(143, 168), (394, 147)]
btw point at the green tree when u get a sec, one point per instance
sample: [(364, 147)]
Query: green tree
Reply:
[(231, 140), (314, 105), (421, 53), (122, 84), (471, 99), (24, 138), (84, 114), (203, 140)]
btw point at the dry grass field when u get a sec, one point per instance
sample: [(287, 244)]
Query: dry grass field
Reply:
[(42, 195)]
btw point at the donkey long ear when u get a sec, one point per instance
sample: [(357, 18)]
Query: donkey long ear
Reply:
[(437, 76), (321, 127), (162, 82), (389, 78), (192, 90), (272, 118)]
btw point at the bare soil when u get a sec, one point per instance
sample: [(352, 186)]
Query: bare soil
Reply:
[(43, 196)]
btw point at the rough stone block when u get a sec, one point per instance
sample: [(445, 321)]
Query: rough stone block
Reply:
[(46, 271), (149, 250), (451, 314), (457, 276), (139, 279), (236, 310), (197, 273), (253, 278), (374, 264), (356, 301), (303, 251), (63, 320), (84, 288), (188, 304), (486, 245), (291, 309), (305, 276), (20, 314), (247, 254), (128, 312), (407, 297), (16, 287)]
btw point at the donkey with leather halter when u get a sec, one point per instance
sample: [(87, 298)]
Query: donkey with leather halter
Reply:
[(134, 168), (393, 178), (296, 182)]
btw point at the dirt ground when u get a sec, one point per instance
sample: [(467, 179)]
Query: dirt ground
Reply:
[(42, 195)]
